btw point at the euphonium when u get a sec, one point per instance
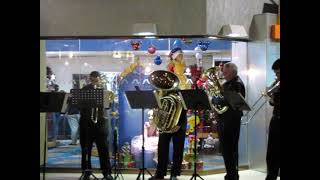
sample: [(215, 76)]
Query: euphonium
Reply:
[(167, 116), (214, 89)]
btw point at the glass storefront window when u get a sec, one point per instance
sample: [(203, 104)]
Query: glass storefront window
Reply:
[(124, 64)]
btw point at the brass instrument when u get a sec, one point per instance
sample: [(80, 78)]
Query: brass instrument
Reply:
[(94, 110), (274, 87), (214, 88), (167, 116), (270, 90)]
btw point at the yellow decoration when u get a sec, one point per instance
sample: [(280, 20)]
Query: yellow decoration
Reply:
[(179, 68), (130, 68), (190, 120)]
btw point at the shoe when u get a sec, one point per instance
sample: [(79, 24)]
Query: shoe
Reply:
[(173, 178), (231, 178), (156, 177), (107, 177), (85, 177)]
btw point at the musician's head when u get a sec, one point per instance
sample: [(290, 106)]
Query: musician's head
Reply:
[(95, 78), (276, 68), (230, 71)]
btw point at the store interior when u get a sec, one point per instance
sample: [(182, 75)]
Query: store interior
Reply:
[(125, 63)]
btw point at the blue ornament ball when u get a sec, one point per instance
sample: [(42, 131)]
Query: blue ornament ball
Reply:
[(157, 60)]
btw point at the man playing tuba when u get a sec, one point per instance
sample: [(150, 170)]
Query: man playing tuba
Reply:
[(179, 118)]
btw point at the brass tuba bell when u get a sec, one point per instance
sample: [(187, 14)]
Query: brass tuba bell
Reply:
[(214, 88), (167, 117)]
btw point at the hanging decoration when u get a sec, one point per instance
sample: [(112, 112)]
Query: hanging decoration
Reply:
[(136, 45), (203, 45), (199, 55), (157, 60), (177, 44), (131, 68), (152, 49)]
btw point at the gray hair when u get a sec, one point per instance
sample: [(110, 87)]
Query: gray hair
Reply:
[(233, 67)]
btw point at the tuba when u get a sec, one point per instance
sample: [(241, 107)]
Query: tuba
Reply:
[(214, 89), (167, 116)]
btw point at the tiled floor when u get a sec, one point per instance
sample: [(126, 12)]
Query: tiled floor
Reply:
[(244, 175), (67, 156)]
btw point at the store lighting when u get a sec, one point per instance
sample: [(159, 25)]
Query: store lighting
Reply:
[(188, 70), (85, 64), (116, 55), (144, 29), (252, 72), (53, 77), (212, 37), (147, 70), (70, 54), (150, 37), (129, 55), (234, 35), (233, 31), (66, 63)]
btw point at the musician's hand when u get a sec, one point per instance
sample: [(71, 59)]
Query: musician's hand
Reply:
[(175, 129)]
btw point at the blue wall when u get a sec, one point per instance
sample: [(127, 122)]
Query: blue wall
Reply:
[(130, 119), (124, 45)]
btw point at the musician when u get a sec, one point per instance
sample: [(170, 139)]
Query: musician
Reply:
[(92, 128), (273, 151), (177, 137), (229, 123)]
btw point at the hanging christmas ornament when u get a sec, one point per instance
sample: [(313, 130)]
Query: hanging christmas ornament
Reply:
[(197, 49), (157, 60), (203, 45), (136, 45), (177, 43), (152, 49), (171, 67), (198, 55)]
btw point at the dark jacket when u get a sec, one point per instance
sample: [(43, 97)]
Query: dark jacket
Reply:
[(276, 102), (236, 85), (72, 109)]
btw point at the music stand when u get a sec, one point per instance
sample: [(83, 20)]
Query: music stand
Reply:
[(50, 102), (195, 99), (142, 100), (88, 98), (236, 101), (117, 171)]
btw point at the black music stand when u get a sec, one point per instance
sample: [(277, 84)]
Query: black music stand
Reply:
[(236, 101), (195, 99), (88, 98), (50, 102), (142, 100), (117, 171)]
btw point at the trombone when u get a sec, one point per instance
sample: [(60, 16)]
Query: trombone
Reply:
[(274, 87)]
